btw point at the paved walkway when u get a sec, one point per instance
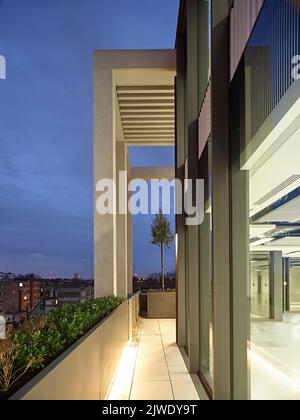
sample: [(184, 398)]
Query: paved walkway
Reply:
[(154, 370)]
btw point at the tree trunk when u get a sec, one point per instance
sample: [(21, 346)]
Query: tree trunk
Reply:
[(162, 267)]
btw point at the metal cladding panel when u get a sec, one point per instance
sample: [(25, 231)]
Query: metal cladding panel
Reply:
[(204, 121), (272, 60), (242, 20)]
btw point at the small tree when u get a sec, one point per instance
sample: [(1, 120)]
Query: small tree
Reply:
[(161, 236)]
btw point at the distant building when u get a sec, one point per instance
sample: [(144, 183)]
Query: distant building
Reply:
[(18, 295), (153, 281), (67, 291), (29, 295), (7, 276), (73, 291), (9, 296)]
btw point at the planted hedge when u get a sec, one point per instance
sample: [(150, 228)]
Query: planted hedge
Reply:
[(37, 342)]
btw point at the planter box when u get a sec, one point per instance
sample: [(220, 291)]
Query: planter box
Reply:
[(161, 305), (85, 371)]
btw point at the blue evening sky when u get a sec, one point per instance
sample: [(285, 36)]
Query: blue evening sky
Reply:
[(46, 126)]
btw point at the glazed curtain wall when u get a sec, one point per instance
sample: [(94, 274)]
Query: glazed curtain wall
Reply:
[(265, 238)]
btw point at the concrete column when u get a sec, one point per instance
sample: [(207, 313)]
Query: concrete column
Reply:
[(240, 258), (180, 225), (192, 231), (286, 286), (276, 286), (129, 242), (121, 219), (104, 167), (220, 77)]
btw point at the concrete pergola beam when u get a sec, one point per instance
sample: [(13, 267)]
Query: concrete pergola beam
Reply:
[(153, 172)]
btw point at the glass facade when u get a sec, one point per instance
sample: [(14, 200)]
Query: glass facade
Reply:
[(248, 288), (269, 141)]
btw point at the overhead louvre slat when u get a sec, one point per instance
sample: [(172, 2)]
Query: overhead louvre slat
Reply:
[(147, 113)]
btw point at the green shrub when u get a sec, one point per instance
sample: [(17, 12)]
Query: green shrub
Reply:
[(72, 321), (38, 341), (38, 338), (10, 372)]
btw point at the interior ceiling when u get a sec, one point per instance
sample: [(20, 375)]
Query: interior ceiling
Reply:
[(277, 177), (258, 230), (275, 171), (287, 241), (147, 113), (273, 177), (288, 212)]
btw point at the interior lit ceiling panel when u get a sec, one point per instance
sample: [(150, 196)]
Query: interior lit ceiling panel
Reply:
[(277, 177), (287, 241), (289, 212), (259, 230), (274, 166)]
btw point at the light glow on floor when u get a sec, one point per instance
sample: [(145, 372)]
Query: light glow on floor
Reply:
[(272, 372), (121, 386)]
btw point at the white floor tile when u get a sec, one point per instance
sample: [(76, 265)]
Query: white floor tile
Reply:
[(151, 373), (168, 339), (155, 359), (151, 390), (158, 371), (182, 369), (184, 390)]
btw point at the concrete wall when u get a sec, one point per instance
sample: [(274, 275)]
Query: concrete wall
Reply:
[(161, 305), (85, 371)]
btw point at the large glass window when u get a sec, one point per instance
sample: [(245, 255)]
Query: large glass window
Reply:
[(265, 174), (270, 155)]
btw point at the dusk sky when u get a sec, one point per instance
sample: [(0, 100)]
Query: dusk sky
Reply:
[(46, 127)]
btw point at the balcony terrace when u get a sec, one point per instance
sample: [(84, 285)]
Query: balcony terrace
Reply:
[(155, 369)]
